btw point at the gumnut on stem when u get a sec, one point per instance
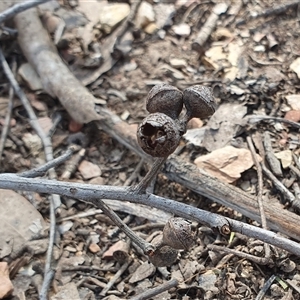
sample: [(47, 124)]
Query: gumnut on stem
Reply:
[(158, 135), (164, 255), (178, 234), (199, 102), (165, 98)]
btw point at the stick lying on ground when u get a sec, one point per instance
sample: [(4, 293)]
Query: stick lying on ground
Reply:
[(90, 193), (175, 169)]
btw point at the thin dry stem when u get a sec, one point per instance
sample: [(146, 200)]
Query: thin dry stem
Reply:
[(156, 291), (259, 194)]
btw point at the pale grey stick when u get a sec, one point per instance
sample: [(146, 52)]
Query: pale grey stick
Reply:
[(10, 107), (88, 193), (116, 277), (39, 171), (259, 194), (17, 8)]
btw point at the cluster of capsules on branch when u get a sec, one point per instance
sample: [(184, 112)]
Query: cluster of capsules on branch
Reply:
[(159, 135), (160, 132)]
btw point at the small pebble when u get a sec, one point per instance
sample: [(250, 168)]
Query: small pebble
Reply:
[(94, 248)]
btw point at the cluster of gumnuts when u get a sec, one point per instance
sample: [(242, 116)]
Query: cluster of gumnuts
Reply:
[(160, 132), (159, 135)]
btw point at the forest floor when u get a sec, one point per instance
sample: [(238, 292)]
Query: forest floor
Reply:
[(248, 53)]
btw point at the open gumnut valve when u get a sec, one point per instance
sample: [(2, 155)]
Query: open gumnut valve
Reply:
[(159, 133)]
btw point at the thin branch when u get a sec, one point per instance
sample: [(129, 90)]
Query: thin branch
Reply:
[(265, 288), (259, 194), (10, 107), (17, 8), (286, 193), (116, 277), (39, 171), (252, 119), (258, 260), (144, 183), (156, 291), (146, 247), (89, 193)]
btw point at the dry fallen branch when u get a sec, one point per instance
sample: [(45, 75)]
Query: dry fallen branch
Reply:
[(90, 193), (57, 80)]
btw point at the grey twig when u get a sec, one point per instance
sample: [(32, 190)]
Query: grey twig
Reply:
[(265, 288), (254, 119), (144, 183), (273, 161), (90, 193), (287, 194), (17, 8), (116, 277), (259, 194), (146, 247), (39, 171), (258, 260), (156, 291), (10, 107)]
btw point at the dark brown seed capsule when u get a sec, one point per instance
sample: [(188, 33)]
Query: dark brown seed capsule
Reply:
[(166, 99), (164, 256), (158, 135), (178, 234), (199, 101)]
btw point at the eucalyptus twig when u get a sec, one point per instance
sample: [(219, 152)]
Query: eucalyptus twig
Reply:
[(256, 118), (156, 291), (144, 183), (17, 8), (147, 248), (259, 194), (265, 288), (287, 194), (258, 260), (116, 277), (39, 171), (90, 193), (54, 199)]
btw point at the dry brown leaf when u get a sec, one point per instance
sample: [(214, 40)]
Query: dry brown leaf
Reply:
[(118, 246), (295, 66), (67, 292), (226, 163)]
